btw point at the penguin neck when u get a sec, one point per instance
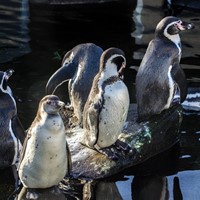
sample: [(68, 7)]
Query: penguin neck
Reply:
[(43, 116), (108, 72), (175, 39), (9, 92)]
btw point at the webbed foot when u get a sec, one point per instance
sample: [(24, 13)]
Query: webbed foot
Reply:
[(122, 146), (55, 190), (32, 194), (109, 152)]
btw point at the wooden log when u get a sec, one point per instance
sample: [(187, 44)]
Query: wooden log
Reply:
[(146, 139)]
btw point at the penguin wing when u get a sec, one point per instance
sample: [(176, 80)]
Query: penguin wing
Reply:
[(93, 121), (69, 163), (178, 76), (18, 129), (28, 136)]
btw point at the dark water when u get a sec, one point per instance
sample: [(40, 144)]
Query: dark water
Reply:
[(33, 40)]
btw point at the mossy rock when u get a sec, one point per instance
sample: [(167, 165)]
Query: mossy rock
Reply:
[(146, 139)]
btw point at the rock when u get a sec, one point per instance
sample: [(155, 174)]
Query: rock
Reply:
[(146, 139)]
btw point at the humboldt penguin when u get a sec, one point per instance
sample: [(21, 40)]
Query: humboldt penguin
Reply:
[(79, 66), (45, 157), (160, 76), (107, 106), (12, 133)]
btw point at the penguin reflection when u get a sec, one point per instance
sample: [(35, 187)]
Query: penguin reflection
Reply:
[(150, 188), (42, 194), (101, 191), (154, 188)]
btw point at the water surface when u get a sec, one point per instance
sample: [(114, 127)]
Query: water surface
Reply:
[(43, 34)]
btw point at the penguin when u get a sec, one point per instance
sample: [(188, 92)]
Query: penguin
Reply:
[(160, 76), (45, 158), (107, 106), (12, 133), (79, 66)]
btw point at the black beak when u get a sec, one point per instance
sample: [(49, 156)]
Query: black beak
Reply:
[(62, 75), (121, 71), (186, 26), (8, 73)]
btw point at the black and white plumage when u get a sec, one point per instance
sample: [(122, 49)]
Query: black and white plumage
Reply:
[(160, 76), (12, 133), (79, 67), (45, 157), (107, 106)]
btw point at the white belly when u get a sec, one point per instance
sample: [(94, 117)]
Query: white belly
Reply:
[(45, 161), (113, 114)]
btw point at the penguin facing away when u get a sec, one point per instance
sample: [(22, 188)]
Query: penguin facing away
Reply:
[(107, 106), (79, 66), (12, 133), (45, 158), (160, 76)]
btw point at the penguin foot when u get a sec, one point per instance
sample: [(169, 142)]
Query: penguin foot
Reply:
[(122, 146), (109, 152), (55, 190), (32, 194)]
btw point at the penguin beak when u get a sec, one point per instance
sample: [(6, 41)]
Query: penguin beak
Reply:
[(60, 104), (8, 73), (185, 26), (121, 71), (62, 75)]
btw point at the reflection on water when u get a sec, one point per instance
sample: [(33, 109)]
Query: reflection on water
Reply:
[(49, 194), (150, 187), (14, 34), (54, 31)]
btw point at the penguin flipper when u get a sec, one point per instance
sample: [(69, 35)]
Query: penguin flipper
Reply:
[(28, 136), (93, 118), (18, 129), (69, 163), (178, 76)]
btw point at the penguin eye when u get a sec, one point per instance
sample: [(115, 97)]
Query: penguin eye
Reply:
[(48, 102)]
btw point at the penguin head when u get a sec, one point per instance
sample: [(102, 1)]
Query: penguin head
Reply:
[(170, 26), (4, 76), (113, 59), (51, 104)]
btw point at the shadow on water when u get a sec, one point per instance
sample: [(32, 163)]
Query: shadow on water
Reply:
[(33, 40)]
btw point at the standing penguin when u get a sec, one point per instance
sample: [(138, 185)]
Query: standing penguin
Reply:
[(107, 106), (160, 76), (45, 157), (79, 67), (12, 133)]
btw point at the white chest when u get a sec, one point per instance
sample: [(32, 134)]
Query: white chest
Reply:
[(113, 113), (45, 159)]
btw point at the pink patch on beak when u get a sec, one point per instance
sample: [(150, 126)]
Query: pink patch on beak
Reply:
[(121, 70)]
